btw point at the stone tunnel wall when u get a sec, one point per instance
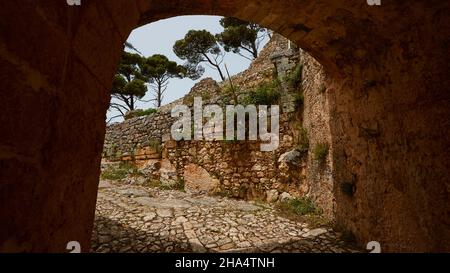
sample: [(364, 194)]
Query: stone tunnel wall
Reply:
[(316, 122), (387, 87)]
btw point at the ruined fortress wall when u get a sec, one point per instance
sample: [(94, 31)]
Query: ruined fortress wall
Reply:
[(123, 139), (238, 168), (137, 138), (241, 168)]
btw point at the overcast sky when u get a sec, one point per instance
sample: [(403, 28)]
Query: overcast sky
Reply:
[(159, 38)]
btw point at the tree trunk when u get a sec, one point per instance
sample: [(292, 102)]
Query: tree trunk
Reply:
[(254, 50), (158, 96), (220, 72), (131, 103)]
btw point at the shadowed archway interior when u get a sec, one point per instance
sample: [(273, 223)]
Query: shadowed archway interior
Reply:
[(387, 68)]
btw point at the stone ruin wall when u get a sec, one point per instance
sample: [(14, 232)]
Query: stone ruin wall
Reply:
[(130, 138), (238, 168), (137, 138), (316, 121)]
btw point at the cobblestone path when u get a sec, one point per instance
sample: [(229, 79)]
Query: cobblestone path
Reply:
[(140, 219)]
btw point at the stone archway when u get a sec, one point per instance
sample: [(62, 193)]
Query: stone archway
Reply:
[(388, 72)]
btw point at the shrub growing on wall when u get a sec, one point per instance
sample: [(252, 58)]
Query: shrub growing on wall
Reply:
[(303, 140), (140, 113), (295, 77), (122, 171), (155, 144), (299, 99), (300, 206), (265, 94), (321, 151)]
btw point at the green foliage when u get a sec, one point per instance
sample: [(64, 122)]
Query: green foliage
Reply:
[(295, 77), (206, 96), (155, 144), (129, 85), (179, 186), (140, 113), (158, 69), (303, 210), (156, 183), (228, 90), (135, 87), (300, 206), (299, 99), (303, 140), (129, 82), (199, 46), (153, 183), (149, 111), (240, 35), (195, 44), (264, 94), (122, 171), (159, 66), (317, 220), (321, 151), (188, 100), (129, 65), (232, 92), (114, 174), (133, 74)]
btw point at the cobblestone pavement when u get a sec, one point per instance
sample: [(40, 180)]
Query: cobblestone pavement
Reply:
[(140, 219)]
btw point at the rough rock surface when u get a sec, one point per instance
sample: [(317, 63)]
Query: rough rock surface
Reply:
[(234, 168), (387, 86), (157, 220), (198, 179)]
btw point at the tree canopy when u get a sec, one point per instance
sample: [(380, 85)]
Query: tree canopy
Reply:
[(159, 70), (136, 72), (240, 35), (199, 46), (129, 84)]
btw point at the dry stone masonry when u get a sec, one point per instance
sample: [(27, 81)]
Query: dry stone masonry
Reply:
[(232, 168)]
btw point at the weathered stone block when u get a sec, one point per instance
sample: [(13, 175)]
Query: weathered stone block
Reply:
[(198, 179)]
